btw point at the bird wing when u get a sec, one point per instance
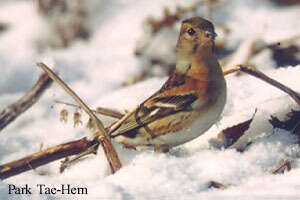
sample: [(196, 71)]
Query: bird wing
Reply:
[(159, 108)]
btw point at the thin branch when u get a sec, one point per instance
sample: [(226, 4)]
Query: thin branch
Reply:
[(242, 55), (46, 156), (55, 78), (109, 112), (101, 110), (285, 165), (11, 112), (112, 156), (254, 72), (67, 162), (277, 43)]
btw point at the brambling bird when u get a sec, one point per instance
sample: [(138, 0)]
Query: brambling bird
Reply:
[(189, 102)]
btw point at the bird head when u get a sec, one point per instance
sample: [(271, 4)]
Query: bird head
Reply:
[(194, 33)]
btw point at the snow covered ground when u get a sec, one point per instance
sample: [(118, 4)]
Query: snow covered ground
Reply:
[(96, 71)]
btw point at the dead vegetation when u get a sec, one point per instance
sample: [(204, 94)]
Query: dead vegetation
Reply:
[(86, 146), (281, 50), (69, 20), (284, 52), (11, 112)]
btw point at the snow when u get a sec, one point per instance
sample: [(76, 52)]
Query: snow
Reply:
[(97, 69)]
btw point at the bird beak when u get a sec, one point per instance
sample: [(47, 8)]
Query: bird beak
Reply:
[(211, 35)]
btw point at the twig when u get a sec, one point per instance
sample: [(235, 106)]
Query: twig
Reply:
[(67, 162), (254, 72), (285, 165), (242, 55), (46, 156), (55, 78), (109, 112), (103, 144), (104, 111), (250, 48), (11, 112), (112, 156), (277, 43)]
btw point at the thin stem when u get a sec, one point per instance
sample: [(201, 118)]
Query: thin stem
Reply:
[(111, 156), (11, 112), (277, 43), (100, 110), (254, 72), (54, 77)]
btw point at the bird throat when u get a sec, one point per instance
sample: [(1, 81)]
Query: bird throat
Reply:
[(187, 60)]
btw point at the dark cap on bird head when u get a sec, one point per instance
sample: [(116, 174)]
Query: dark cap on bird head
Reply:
[(201, 23)]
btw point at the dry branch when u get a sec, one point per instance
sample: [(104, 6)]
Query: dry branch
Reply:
[(46, 156), (68, 161), (101, 110), (289, 40), (11, 112), (285, 165), (110, 152), (254, 72)]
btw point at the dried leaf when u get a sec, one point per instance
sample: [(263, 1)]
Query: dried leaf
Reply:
[(218, 185), (91, 124), (292, 123), (77, 119), (286, 56), (63, 165), (64, 115), (230, 135)]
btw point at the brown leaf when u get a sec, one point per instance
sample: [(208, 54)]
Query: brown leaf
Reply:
[(91, 124), (291, 123), (218, 185), (64, 115), (77, 119), (230, 135), (286, 56)]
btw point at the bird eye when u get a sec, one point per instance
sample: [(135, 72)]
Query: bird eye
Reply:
[(191, 31)]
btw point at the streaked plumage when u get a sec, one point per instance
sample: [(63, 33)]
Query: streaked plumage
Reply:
[(189, 102)]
